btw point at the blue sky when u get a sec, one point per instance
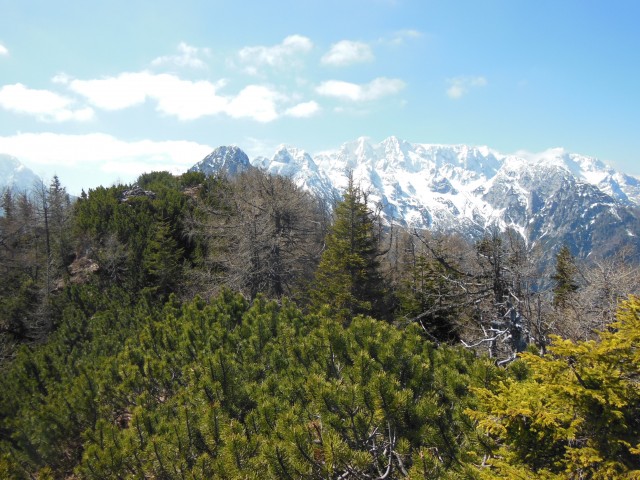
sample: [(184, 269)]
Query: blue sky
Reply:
[(99, 92)]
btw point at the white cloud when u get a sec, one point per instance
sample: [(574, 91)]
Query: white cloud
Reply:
[(340, 89), (61, 78), (43, 104), (116, 93), (373, 90), (276, 55), (188, 56), (303, 110), (3, 50), (460, 86), (184, 99), (256, 102), (347, 52), (401, 36), (86, 161), (47, 148)]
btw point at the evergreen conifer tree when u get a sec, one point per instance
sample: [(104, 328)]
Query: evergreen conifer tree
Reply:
[(564, 278), (570, 414), (161, 261), (348, 279)]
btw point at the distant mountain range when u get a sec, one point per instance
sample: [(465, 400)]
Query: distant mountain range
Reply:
[(550, 198)]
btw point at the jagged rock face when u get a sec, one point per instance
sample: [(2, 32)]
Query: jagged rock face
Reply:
[(80, 272), (134, 192), (230, 160), (550, 198), (586, 219), (302, 169)]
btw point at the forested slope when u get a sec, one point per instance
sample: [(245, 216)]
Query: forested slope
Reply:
[(192, 327)]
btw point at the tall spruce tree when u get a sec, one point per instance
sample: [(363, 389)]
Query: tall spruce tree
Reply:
[(162, 260), (564, 278), (348, 279), (59, 222)]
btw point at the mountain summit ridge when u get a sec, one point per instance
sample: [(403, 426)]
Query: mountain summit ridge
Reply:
[(549, 198), (15, 175)]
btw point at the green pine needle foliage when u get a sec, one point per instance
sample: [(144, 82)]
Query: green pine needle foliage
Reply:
[(232, 390), (574, 415)]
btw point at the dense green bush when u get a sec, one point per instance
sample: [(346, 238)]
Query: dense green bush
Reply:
[(233, 390), (121, 371)]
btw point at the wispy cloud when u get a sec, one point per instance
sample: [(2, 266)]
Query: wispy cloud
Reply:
[(45, 105), (259, 147), (87, 161), (460, 86), (3, 50), (347, 52), (401, 36), (377, 88), (187, 56), (276, 55), (303, 110), (99, 152)]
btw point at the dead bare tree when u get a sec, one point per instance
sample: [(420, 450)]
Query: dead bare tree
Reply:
[(602, 283), (487, 291), (263, 235)]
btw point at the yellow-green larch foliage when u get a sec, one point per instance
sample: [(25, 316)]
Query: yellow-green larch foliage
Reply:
[(571, 414)]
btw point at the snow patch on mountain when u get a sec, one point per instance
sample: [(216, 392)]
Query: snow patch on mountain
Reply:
[(15, 175), (229, 160), (467, 189)]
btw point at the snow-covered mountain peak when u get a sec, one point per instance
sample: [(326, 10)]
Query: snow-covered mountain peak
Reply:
[(395, 154), (468, 188), (9, 165), (229, 159), (298, 165), (393, 146), (289, 153), (361, 147), (290, 161), (582, 169), (15, 175), (558, 157)]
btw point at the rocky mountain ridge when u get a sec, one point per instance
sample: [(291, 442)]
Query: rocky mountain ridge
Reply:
[(549, 198)]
